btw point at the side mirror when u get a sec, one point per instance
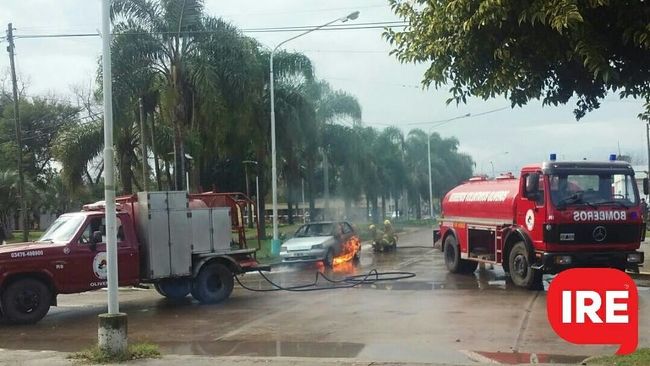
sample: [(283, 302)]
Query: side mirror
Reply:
[(646, 189), (532, 186)]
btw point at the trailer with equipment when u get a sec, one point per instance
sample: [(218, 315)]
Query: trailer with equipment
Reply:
[(554, 216), (178, 242)]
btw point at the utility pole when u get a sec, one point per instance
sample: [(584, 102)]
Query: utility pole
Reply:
[(19, 140), (249, 213), (112, 332)]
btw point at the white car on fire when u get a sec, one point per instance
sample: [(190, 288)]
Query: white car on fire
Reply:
[(331, 242)]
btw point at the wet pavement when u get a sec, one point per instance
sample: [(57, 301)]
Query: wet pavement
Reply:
[(433, 317)]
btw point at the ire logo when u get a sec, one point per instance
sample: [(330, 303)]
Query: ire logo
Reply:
[(595, 306)]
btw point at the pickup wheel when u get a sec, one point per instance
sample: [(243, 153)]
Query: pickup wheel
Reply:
[(521, 272), (174, 288), (452, 258), (26, 301), (213, 284)]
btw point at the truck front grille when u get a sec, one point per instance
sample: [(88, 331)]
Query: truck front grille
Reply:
[(593, 233)]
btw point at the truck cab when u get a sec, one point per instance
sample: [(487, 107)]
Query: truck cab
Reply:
[(70, 257), (582, 214)]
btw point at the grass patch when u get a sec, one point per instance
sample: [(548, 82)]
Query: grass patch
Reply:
[(639, 358), (136, 351)]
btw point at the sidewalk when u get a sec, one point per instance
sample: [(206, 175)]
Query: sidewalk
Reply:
[(52, 358)]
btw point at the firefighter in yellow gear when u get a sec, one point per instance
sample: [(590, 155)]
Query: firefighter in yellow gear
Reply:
[(377, 236), (390, 238)]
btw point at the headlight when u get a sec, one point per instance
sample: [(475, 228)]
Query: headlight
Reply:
[(317, 246), (283, 248), (634, 258)]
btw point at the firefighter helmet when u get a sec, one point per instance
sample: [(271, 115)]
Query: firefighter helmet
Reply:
[(387, 222)]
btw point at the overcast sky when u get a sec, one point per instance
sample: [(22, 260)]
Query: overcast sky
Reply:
[(356, 61)]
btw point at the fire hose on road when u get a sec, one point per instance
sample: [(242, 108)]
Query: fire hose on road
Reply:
[(369, 278)]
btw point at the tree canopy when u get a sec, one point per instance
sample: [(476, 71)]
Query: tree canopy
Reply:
[(551, 50)]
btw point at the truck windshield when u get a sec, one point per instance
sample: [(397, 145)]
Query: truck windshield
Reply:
[(593, 190), (62, 229)]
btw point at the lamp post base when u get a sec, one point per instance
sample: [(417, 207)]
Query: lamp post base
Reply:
[(112, 333), (275, 246)]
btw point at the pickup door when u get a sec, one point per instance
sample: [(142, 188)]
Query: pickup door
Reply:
[(86, 267)]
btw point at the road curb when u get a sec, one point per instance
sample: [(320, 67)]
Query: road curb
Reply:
[(640, 276)]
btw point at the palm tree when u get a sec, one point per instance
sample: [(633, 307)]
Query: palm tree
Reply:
[(75, 149), (179, 43), (332, 106)]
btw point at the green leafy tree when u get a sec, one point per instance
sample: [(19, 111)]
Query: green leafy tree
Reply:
[(551, 50)]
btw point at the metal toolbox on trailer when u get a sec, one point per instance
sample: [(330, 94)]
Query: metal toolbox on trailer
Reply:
[(166, 234), (180, 242), (221, 229), (201, 230), (155, 257), (211, 231)]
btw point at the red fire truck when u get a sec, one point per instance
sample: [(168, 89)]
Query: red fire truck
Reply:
[(556, 215), (180, 243)]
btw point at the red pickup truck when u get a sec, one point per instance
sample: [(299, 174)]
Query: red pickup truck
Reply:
[(180, 243)]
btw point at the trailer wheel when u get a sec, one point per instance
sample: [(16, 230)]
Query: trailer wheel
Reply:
[(213, 284), (521, 272), (26, 301), (452, 258), (174, 288)]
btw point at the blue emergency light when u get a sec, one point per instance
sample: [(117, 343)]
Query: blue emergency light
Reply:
[(553, 157), (612, 157)]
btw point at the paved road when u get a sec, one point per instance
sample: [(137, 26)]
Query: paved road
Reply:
[(435, 316)]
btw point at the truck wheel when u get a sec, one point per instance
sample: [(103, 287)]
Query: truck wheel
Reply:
[(213, 284), (26, 301), (328, 261), (452, 258), (174, 288), (521, 273)]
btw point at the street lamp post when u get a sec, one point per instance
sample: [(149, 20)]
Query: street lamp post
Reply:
[(491, 163), (274, 172), (430, 179), (250, 212)]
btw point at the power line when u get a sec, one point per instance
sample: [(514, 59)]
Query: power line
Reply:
[(307, 11), (371, 81), (369, 25), (440, 122)]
